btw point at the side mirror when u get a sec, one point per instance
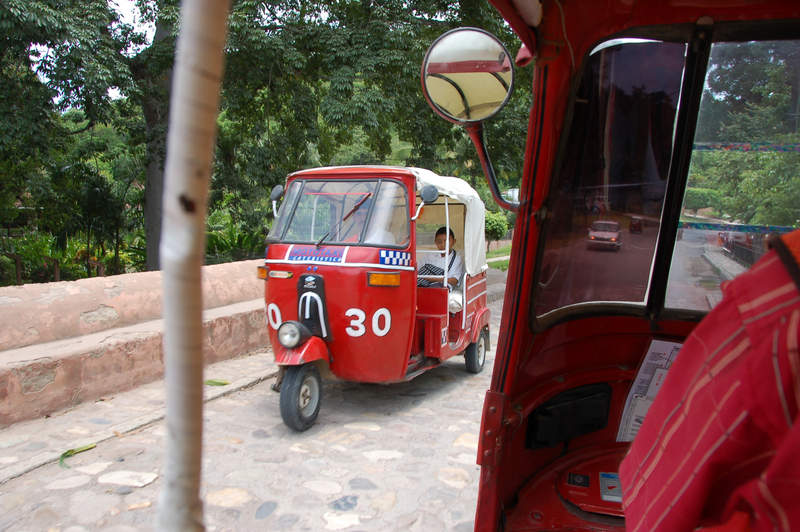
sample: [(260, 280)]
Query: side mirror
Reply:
[(276, 193), (428, 194), (468, 77)]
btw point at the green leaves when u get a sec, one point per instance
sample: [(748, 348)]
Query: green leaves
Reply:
[(73, 452), (216, 382)]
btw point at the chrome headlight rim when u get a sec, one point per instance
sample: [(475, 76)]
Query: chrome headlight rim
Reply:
[(293, 334)]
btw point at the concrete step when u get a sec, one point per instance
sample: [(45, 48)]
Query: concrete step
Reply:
[(41, 379), (69, 342)]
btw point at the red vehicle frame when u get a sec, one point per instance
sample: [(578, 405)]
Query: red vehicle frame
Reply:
[(353, 309), (572, 356)]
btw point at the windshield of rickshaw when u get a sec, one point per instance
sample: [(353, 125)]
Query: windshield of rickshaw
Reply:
[(744, 180), (372, 213)]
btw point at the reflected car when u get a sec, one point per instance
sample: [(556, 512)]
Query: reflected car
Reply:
[(604, 234)]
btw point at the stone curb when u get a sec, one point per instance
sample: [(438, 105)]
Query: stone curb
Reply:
[(728, 269)]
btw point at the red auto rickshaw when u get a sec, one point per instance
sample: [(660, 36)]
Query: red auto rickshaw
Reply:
[(341, 290), (629, 99)]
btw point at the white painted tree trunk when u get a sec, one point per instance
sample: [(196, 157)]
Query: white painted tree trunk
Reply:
[(190, 149)]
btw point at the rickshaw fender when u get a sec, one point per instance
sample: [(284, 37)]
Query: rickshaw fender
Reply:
[(482, 320), (313, 349)]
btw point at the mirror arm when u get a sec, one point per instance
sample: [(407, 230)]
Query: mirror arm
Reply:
[(421, 204), (275, 208), (475, 131)]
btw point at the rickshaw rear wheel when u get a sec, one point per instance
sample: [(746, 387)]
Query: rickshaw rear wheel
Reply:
[(301, 396), (475, 355)]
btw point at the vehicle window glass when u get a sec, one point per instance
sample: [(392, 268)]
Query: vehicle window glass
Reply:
[(744, 177), (313, 216), (371, 213), (284, 211), (389, 221), (621, 138), (322, 208)]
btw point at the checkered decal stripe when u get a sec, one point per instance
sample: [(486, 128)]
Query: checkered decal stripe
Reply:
[(395, 258)]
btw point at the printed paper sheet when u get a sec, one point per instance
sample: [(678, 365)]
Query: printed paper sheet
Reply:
[(648, 381)]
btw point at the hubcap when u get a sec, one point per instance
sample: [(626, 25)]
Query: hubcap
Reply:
[(308, 396)]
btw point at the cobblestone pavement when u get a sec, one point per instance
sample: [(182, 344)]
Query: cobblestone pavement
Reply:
[(379, 458)]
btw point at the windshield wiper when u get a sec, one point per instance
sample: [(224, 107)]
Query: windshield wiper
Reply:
[(346, 217)]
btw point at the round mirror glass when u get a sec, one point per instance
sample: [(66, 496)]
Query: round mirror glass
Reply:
[(467, 75)]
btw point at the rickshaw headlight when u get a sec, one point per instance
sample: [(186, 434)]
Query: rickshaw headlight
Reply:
[(293, 333)]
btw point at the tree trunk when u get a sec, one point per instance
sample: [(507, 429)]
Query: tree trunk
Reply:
[(190, 145), (117, 243), (156, 113), (88, 251), (153, 191)]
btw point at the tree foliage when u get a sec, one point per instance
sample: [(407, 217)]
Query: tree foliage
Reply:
[(752, 98), (306, 84)]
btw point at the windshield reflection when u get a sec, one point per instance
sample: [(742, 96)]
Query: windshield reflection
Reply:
[(622, 133)]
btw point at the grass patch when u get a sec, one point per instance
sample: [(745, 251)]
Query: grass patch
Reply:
[(501, 265), (501, 252)]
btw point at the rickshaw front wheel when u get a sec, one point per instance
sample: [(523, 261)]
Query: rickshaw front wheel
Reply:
[(475, 355), (301, 396)]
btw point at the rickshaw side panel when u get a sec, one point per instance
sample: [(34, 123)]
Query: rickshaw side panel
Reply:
[(478, 314)]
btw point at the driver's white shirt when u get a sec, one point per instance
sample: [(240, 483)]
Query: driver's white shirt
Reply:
[(436, 258)]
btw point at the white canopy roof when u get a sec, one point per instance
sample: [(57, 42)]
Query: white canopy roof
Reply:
[(460, 191)]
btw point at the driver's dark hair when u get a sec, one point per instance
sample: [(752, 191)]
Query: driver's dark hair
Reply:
[(443, 230)]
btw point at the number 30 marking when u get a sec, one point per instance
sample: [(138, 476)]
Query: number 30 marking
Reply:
[(387, 323), (357, 327)]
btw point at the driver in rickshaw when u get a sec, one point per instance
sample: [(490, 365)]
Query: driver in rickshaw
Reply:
[(433, 263)]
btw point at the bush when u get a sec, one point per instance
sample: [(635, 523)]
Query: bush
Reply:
[(699, 198), (496, 226)]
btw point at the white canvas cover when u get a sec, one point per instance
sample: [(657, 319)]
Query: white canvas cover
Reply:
[(459, 191)]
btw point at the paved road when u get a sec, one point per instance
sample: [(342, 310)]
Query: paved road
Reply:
[(693, 283), (379, 458)]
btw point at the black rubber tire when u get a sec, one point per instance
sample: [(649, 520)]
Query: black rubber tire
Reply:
[(475, 354), (301, 396)]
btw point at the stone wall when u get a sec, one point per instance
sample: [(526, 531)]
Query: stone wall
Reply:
[(39, 313)]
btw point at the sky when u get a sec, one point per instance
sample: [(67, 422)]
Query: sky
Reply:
[(129, 13)]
